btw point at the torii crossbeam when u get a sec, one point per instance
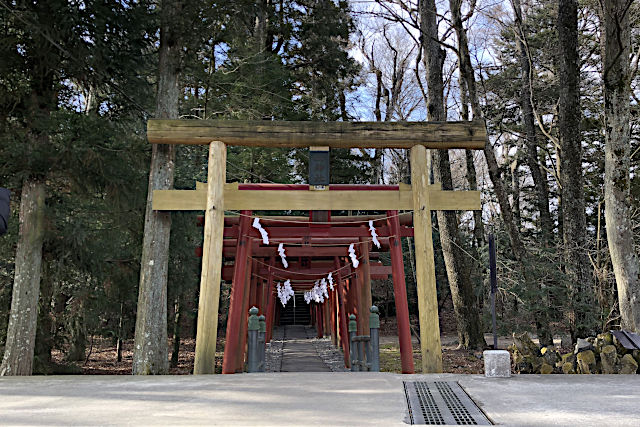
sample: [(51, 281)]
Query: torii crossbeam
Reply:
[(420, 197)]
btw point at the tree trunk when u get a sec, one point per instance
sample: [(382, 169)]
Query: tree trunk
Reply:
[(150, 352), (531, 143), (616, 41), (21, 333), (492, 164), (467, 318), (120, 340), (44, 329), (471, 174), (515, 191), (78, 348), (541, 304), (577, 266), (175, 353)]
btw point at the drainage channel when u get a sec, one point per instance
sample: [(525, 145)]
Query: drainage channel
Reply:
[(441, 403)]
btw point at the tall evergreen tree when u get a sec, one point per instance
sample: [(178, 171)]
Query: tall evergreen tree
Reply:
[(574, 223), (616, 42), (150, 347), (51, 50)]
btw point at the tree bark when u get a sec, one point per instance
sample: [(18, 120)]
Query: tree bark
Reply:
[(120, 340), (78, 347), (616, 41), (515, 191), (150, 353), (577, 266), (175, 353), (21, 332), (467, 318), (44, 328)]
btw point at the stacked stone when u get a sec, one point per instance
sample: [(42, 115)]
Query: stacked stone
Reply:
[(602, 354)]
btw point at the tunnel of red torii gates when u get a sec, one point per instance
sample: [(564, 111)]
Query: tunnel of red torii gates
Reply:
[(315, 246)]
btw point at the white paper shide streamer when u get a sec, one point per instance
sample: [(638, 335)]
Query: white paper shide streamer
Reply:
[(319, 291), (263, 232), (352, 255), (374, 235), (323, 287), (283, 256), (285, 292)]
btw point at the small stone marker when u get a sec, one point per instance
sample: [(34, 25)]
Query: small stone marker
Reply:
[(497, 363)]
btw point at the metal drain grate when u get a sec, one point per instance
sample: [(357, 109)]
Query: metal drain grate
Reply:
[(441, 403)]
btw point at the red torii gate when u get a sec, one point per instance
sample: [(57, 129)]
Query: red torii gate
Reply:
[(305, 233), (421, 197)]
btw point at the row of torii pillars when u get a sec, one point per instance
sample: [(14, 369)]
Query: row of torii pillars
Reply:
[(257, 268), (421, 197)]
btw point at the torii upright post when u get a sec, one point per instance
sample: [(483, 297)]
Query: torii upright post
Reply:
[(425, 263), (207, 332)]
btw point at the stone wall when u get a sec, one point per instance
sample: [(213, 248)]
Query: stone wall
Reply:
[(602, 354)]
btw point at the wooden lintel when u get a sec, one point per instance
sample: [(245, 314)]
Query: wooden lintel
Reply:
[(439, 135), (277, 200)]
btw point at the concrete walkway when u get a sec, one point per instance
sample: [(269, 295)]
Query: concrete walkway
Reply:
[(308, 399), (298, 352)]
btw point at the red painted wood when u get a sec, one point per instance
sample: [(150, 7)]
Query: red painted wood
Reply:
[(235, 304), (320, 320), (250, 283), (341, 187), (332, 317), (400, 296), (271, 305), (336, 221), (342, 313), (254, 291)]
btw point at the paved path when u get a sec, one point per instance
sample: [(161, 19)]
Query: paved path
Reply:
[(298, 353), (309, 398)]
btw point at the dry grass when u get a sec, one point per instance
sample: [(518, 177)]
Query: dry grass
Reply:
[(453, 360)]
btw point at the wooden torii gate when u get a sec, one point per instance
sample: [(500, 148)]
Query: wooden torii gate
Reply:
[(421, 197)]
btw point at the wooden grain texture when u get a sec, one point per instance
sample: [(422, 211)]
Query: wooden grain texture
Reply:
[(425, 264), (443, 135), (209, 300), (185, 200)]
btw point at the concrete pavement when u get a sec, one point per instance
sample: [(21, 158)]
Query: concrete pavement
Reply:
[(309, 398)]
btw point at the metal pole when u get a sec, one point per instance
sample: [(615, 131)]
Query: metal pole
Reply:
[(353, 327), (262, 348), (494, 286), (374, 326), (253, 327)]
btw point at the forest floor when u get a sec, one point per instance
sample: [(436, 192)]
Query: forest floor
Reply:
[(102, 356), (102, 359)]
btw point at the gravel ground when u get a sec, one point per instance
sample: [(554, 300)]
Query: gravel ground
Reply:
[(273, 356), (331, 356)]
